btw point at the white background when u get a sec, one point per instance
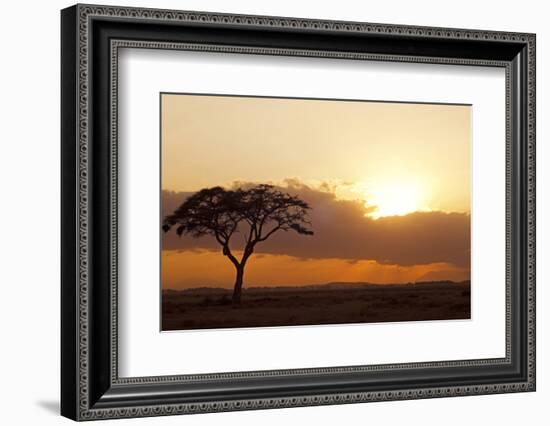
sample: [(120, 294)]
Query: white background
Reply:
[(146, 352), (29, 226)]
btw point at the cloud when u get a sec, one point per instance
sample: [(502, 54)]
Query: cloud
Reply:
[(343, 231)]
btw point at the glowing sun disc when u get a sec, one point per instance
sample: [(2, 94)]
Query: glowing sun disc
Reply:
[(395, 199)]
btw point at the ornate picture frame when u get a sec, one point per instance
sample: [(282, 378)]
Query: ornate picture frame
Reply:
[(91, 39)]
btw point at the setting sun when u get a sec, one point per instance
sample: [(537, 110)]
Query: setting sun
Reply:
[(396, 199), (393, 198)]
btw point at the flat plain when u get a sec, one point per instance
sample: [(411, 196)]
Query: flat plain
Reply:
[(334, 303)]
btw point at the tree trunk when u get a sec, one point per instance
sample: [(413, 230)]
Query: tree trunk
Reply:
[(238, 285)]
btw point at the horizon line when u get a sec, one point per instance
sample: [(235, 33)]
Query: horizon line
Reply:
[(335, 283)]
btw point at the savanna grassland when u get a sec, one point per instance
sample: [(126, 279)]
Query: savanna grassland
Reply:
[(334, 303)]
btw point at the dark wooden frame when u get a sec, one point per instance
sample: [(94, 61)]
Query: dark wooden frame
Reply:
[(90, 386)]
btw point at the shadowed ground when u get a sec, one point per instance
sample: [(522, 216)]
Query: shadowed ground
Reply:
[(336, 303)]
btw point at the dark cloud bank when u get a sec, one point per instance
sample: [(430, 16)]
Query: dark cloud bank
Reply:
[(343, 231)]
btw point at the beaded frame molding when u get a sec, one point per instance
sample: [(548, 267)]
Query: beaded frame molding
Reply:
[(91, 39)]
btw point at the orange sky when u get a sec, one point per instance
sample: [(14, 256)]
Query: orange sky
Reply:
[(393, 178), (187, 269)]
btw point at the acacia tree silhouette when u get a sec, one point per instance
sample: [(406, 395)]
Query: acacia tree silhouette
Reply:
[(257, 212)]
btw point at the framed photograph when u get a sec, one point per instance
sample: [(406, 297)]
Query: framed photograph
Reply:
[(263, 212)]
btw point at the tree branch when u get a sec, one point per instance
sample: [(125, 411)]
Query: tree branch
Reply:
[(270, 233), (222, 242), (231, 257)]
